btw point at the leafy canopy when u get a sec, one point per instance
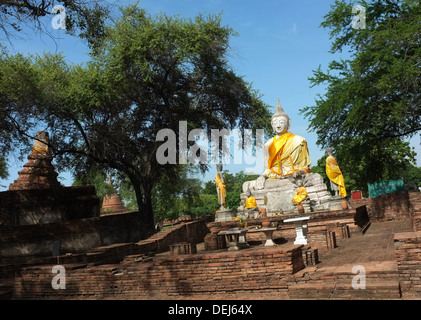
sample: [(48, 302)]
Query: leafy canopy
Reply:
[(372, 100), (146, 74)]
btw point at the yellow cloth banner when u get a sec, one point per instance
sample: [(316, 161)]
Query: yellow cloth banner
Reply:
[(300, 195), (335, 175), (250, 203), (221, 187)]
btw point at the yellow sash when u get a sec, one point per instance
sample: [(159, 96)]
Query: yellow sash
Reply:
[(250, 203), (300, 195), (276, 156), (221, 187), (279, 154), (334, 173)]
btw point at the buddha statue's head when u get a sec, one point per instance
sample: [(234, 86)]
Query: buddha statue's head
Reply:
[(280, 120)]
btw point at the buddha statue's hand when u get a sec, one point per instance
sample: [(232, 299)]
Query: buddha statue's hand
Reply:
[(297, 178), (303, 172)]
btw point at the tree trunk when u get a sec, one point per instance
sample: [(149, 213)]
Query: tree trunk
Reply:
[(147, 212), (144, 202)]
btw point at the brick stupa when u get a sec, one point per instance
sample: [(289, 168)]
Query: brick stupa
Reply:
[(38, 173), (112, 203)]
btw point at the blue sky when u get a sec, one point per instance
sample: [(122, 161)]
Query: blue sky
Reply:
[(279, 44)]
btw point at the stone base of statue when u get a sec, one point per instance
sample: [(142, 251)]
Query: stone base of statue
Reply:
[(225, 214), (338, 203), (244, 213), (278, 193)]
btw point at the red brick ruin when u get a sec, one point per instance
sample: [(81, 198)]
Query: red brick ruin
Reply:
[(38, 173), (113, 257), (112, 203)]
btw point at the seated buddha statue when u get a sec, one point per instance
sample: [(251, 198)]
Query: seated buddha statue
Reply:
[(286, 154), (250, 202), (286, 172)]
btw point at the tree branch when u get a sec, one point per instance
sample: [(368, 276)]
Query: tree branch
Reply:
[(406, 133)]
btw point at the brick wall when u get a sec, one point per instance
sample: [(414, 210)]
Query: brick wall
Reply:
[(192, 232), (41, 206), (408, 250), (75, 236), (415, 210), (37, 240), (408, 256), (386, 206), (322, 239), (253, 271)]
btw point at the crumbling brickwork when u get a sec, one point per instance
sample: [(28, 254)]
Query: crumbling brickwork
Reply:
[(250, 272)]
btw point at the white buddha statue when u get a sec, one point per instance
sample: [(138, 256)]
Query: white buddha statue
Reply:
[(287, 168), (285, 155)]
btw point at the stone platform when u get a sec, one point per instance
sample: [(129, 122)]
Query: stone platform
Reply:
[(277, 194)]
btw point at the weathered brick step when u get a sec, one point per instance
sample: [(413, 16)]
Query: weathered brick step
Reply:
[(348, 276), (6, 289), (341, 289), (373, 269)]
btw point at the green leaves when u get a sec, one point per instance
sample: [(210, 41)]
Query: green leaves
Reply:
[(87, 19), (146, 73), (3, 168), (372, 100), (97, 178)]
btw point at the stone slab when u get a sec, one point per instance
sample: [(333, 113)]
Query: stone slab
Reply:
[(280, 201), (297, 219), (226, 215)]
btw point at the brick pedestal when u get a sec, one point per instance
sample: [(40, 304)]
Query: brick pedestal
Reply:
[(310, 256), (214, 242), (183, 248)]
